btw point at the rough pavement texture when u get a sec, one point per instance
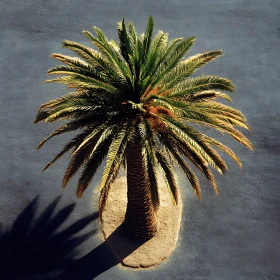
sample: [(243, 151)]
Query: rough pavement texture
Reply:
[(231, 236)]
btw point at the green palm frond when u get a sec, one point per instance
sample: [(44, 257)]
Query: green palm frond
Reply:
[(95, 97), (172, 60), (212, 121), (187, 67), (117, 64), (82, 81), (90, 55), (148, 35), (224, 149), (94, 58), (154, 55), (149, 145), (71, 70), (182, 164), (114, 45), (167, 49), (133, 34), (125, 43), (113, 162), (217, 111), (169, 175), (69, 112), (91, 166), (115, 154), (99, 129), (70, 126), (77, 160), (194, 141), (73, 143), (160, 51), (77, 63), (197, 160), (158, 100), (214, 107), (197, 61), (175, 107), (201, 83)]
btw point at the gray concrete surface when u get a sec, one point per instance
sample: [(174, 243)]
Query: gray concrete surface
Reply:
[(229, 237)]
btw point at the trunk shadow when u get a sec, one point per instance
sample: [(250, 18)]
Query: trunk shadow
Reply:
[(102, 257)]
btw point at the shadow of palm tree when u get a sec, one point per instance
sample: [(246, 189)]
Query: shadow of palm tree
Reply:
[(33, 248), (101, 258)]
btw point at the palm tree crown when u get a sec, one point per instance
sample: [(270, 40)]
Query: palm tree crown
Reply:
[(140, 89)]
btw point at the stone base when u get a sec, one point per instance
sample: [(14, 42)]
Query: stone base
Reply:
[(138, 254)]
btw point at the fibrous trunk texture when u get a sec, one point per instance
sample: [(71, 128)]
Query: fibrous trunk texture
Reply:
[(140, 219)]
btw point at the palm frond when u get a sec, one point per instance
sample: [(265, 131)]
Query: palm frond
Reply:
[(182, 164), (154, 54), (90, 55), (206, 95), (187, 67), (148, 34), (172, 60), (193, 140), (95, 97), (70, 126), (169, 175), (78, 63), (69, 112), (133, 34), (167, 49), (195, 62), (78, 160), (106, 128), (158, 100), (117, 64), (114, 45), (115, 154), (93, 57), (75, 141), (210, 120), (224, 149), (215, 107), (198, 161), (149, 142), (125, 42), (92, 164), (159, 51), (81, 81), (70, 70), (114, 159), (201, 83)]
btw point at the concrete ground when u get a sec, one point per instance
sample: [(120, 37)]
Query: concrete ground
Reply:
[(231, 236)]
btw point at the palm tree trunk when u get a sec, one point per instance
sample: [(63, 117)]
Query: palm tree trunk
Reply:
[(140, 218)]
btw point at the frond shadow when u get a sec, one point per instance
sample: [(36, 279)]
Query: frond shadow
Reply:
[(33, 248)]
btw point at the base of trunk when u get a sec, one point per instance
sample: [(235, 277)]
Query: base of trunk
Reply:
[(132, 252)]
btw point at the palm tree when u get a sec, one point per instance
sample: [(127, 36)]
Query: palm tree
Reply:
[(135, 103)]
